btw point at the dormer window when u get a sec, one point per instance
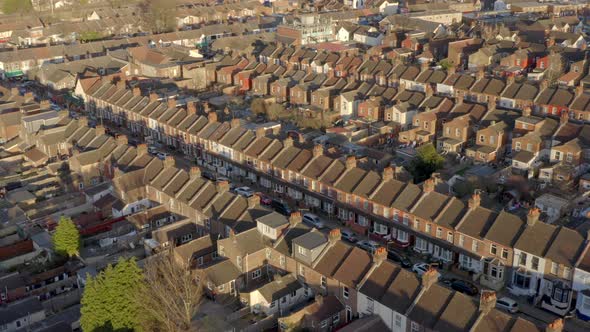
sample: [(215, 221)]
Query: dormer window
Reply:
[(302, 251)]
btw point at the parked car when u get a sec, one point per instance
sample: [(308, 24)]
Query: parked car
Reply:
[(421, 268), (245, 191), (368, 245), (161, 155), (152, 150), (400, 258), (209, 176), (348, 235), (265, 200), (508, 304), (281, 207), (231, 185), (313, 220), (464, 287)]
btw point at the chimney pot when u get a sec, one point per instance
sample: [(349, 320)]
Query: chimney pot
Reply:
[(142, 149), (487, 301), (191, 108), (100, 130), (122, 139), (474, 201), (171, 103), (318, 150), (136, 92), (212, 116), (295, 218), (555, 326), (235, 123), (387, 174), (260, 132), (153, 97), (253, 201), (429, 278), (222, 186), (288, 142), (169, 162), (379, 256), (334, 236), (350, 162), (195, 172), (428, 185)]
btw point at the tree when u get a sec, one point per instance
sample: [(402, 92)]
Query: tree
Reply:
[(16, 6), (66, 239), (159, 15), (109, 300), (274, 111), (426, 162), (172, 294), (258, 106)]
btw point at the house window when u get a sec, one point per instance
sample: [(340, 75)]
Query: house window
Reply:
[(493, 249), (415, 327), (185, 238), (475, 246), (324, 282), (428, 228), (535, 263), (416, 224), (517, 146), (398, 321), (396, 215), (345, 293), (221, 251), (200, 261), (302, 251), (522, 280), (239, 262), (438, 232), (504, 253), (554, 268), (324, 324), (461, 240), (450, 237), (302, 270), (256, 274), (482, 138), (282, 261), (567, 273), (522, 260), (336, 319), (406, 219), (268, 253)]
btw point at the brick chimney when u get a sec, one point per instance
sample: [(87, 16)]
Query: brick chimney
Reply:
[(492, 103), (212, 116), (142, 149), (579, 90), (379, 256), (555, 326), (288, 142), (474, 201), (28, 95), (295, 218), (543, 85), (100, 130), (191, 107), (206, 107), (121, 139), (253, 201), (318, 150), (429, 278), (195, 172), (533, 216), (121, 85), (350, 162), (527, 111), (319, 299), (428, 185), (564, 117), (136, 92), (153, 97), (169, 162), (222, 186), (172, 102), (44, 104), (334, 236), (14, 91), (487, 301), (83, 121), (509, 80), (387, 174), (480, 73), (235, 123)]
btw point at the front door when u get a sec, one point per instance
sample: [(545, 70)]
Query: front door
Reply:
[(348, 314)]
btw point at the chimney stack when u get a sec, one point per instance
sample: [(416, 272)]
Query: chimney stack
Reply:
[(295, 218), (222, 186), (44, 104), (318, 150), (579, 90), (429, 278), (379, 256), (83, 121), (121, 85), (212, 116), (136, 92), (319, 299), (288, 142), (169, 162), (195, 172), (533, 216), (153, 97), (543, 85), (428, 185), (100, 130), (387, 174), (480, 73), (474, 201), (172, 102), (350, 162), (14, 91), (555, 326), (260, 132), (487, 301), (527, 111), (564, 117), (334, 236), (509, 80), (142, 149), (191, 108), (235, 123), (121, 139), (253, 201)]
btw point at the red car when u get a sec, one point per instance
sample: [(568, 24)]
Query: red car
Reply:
[(263, 198)]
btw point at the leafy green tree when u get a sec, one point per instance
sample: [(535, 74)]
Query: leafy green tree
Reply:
[(258, 106), (87, 36), (66, 239), (109, 300), (16, 6), (274, 111), (426, 162)]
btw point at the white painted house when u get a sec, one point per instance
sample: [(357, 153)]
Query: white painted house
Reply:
[(278, 296)]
